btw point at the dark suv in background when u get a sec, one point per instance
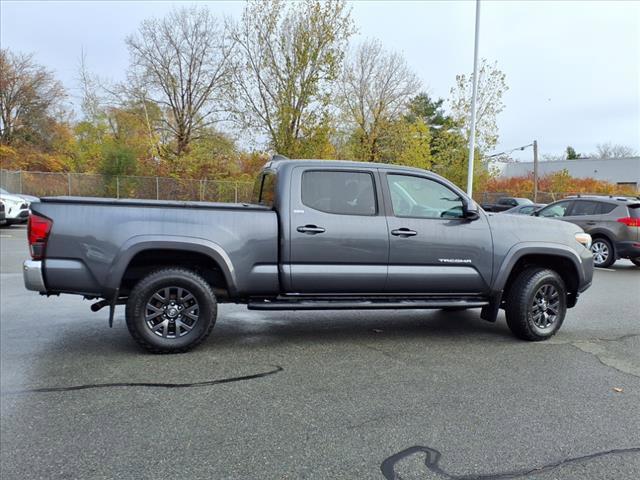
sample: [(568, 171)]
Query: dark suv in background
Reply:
[(612, 222)]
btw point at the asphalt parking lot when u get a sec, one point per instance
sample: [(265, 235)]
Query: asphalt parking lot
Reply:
[(319, 395)]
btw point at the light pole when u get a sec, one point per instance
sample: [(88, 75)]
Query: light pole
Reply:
[(472, 131)]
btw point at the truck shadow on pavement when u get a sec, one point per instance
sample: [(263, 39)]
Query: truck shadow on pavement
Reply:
[(341, 327), (432, 458)]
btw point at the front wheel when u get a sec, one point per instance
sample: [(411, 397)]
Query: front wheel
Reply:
[(536, 304), (635, 261), (171, 311)]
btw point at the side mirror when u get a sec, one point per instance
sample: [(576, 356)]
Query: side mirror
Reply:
[(470, 210)]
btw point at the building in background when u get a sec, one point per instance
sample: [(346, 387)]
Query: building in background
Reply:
[(621, 171)]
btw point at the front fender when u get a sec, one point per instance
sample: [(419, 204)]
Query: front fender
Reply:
[(538, 248), (140, 243)]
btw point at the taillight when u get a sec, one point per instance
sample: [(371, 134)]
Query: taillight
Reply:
[(38, 231), (630, 221)]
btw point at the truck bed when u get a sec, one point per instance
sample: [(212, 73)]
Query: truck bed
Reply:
[(93, 240), (131, 202)]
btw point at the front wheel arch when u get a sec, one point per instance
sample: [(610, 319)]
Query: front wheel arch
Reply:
[(562, 265)]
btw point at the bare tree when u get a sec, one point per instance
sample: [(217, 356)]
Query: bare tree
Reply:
[(491, 88), (182, 60), (29, 96), (375, 88), (610, 150), (288, 55)]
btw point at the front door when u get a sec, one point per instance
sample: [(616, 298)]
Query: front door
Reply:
[(433, 249), (338, 232)]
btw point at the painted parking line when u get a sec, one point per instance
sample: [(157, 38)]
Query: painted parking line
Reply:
[(605, 269), (6, 236)]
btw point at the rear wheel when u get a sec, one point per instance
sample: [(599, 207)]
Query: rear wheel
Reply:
[(536, 304), (602, 250), (171, 311)]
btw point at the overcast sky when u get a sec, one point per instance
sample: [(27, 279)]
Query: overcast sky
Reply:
[(573, 68)]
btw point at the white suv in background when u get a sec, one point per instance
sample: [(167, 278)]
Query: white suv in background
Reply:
[(16, 209)]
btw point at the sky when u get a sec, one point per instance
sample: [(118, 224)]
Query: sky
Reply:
[(573, 68)]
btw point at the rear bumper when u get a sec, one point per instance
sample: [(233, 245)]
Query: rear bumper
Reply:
[(628, 249), (33, 278)]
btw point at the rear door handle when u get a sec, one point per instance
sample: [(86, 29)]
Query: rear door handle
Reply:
[(403, 232), (310, 229)]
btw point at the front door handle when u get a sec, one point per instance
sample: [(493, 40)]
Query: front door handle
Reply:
[(403, 232), (310, 229)]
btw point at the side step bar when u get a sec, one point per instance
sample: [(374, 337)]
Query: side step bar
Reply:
[(366, 303)]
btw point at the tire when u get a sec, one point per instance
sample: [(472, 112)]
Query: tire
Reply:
[(524, 317), (171, 311), (603, 254), (635, 261)]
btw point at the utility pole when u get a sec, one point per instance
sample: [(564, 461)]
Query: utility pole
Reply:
[(472, 131), (535, 171)]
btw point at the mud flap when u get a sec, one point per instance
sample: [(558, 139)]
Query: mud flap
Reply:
[(112, 307), (490, 312)]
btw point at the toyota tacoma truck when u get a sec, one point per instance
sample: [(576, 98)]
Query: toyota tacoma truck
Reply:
[(317, 235)]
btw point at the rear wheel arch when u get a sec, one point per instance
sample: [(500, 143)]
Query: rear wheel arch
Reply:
[(140, 259)]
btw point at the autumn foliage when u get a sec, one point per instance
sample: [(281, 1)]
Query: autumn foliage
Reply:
[(556, 185)]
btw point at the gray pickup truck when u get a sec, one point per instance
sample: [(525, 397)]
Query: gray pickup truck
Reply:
[(317, 235)]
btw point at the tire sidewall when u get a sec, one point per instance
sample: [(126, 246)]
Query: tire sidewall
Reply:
[(548, 279), (610, 259), (138, 301)]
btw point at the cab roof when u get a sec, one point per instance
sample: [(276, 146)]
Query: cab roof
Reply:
[(278, 162)]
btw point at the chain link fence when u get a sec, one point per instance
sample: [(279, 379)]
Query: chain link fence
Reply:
[(42, 184)]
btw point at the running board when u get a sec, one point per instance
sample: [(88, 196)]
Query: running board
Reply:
[(366, 303)]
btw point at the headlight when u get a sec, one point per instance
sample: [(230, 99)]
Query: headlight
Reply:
[(584, 239)]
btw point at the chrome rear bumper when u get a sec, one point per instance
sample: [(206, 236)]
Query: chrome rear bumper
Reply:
[(32, 273)]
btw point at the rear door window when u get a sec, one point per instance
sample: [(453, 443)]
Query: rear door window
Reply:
[(584, 207), (339, 192)]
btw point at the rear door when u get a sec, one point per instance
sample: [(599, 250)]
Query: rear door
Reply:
[(339, 241), (584, 213), (432, 249)]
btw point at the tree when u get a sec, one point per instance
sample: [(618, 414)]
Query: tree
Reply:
[(430, 111), (375, 88), (491, 88), (288, 55), (405, 143), (572, 154), (30, 100), (610, 150), (181, 62), (450, 158)]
